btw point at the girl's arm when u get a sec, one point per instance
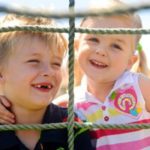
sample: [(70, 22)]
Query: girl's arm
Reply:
[(6, 117), (144, 83)]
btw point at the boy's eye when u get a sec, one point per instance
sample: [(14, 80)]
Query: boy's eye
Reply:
[(33, 61), (93, 39), (57, 64), (116, 46)]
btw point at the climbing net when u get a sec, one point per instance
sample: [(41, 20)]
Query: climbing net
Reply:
[(71, 14)]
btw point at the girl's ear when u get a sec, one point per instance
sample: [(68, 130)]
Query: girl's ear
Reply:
[(76, 44), (132, 61)]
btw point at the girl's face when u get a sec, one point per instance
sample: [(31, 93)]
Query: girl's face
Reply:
[(32, 75), (103, 58)]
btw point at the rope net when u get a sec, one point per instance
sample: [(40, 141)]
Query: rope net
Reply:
[(71, 14)]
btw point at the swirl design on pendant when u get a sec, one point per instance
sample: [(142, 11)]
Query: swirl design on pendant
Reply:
[(125, 100)]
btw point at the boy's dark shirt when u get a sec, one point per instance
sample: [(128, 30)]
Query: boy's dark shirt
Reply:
[(50, 139)]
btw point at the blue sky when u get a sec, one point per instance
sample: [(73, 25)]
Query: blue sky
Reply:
[(62, 5)]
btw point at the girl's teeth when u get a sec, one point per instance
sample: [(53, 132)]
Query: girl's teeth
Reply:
[(98, 63)]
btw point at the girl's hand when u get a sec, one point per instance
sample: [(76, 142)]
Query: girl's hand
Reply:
[(6, 117)]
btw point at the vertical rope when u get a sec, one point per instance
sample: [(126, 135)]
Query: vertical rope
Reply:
[(71, 78)]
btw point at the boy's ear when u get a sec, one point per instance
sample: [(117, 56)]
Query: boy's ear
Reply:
[(1, 78), (132, 61)]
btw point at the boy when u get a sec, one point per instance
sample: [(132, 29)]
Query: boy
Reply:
[(30, 76)]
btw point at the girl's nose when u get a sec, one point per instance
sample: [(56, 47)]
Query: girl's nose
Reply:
[(101, 51)]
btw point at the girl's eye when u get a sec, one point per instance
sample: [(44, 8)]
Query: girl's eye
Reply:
[(116, 46), (93, 39)]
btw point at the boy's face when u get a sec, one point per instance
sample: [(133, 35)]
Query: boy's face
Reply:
[(32, 75), (104, 58)]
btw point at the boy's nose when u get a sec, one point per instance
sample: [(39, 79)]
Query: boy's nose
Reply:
[(47, 71)]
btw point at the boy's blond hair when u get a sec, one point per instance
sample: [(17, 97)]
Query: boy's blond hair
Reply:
[(8, 40)]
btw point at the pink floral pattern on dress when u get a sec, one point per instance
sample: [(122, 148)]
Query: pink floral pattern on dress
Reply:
[(84, 105), (125, 100)]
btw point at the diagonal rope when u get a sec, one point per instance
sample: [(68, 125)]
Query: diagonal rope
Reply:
[(39, 28), (113, 30), (87, 125), (33, 126), (33, 28)]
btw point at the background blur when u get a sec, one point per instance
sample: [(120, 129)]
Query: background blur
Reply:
[(62, 5)]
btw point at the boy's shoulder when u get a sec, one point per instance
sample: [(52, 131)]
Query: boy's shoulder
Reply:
[(58, 114), (55, 114)]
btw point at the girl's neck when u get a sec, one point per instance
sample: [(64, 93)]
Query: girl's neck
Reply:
[(100, 90)]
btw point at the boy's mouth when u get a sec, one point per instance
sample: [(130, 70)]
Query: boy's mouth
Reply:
[(43, 86), (98, 64)]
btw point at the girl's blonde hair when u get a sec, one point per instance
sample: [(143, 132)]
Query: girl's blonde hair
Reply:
[(141, 63)]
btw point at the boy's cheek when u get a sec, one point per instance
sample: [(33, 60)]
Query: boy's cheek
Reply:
[(59, 77)]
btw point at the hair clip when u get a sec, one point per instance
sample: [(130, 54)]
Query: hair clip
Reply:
[(139, 47)]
